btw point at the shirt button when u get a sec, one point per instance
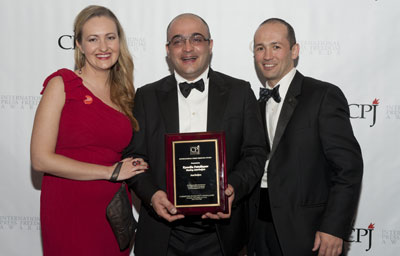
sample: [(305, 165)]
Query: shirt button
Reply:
[(193, 114)]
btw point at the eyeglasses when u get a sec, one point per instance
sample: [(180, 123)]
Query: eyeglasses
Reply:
[(195, 40)]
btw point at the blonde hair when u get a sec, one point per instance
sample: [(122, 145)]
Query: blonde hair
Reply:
[(122, 91)]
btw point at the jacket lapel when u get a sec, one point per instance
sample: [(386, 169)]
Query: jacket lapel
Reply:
[(167, 97), (288, 107), (217, 100), (262, 106)]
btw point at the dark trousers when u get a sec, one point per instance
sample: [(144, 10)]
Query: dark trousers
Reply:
[(194, 240), (264, 240)]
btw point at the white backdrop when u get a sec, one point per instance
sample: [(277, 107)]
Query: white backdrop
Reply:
[(352, 44)]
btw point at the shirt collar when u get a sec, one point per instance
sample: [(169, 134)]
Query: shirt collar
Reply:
[(284, 83)]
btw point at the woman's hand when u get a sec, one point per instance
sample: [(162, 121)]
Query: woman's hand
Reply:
[(130, 167)]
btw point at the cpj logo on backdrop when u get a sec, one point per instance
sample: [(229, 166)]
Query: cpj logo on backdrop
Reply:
[(364, 111), (362, 236)]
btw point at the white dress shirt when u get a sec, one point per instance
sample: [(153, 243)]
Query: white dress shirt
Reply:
[(193, 109), (272, 112)]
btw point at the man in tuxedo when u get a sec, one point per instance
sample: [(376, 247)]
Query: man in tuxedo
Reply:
[(195, 98), (310, 189)]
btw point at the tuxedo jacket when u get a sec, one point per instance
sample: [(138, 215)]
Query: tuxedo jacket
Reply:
[(315, 166), (232, 108)]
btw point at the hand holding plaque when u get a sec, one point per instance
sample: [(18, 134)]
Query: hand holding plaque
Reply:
[(195, 171), (163, 207), (229, 192)]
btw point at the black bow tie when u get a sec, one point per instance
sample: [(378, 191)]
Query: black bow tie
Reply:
[(265, 94), (187, 87)]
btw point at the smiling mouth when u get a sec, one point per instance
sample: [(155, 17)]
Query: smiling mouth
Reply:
[(103, 56), (268, 66), (189, 59)]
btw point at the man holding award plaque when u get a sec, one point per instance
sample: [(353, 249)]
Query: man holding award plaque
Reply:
[(202, 135)]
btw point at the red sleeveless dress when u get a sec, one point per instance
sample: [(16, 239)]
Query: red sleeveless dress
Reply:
[(73, 213)]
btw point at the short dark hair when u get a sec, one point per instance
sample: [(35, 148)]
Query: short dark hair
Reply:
[(290, 31), (190, 14)]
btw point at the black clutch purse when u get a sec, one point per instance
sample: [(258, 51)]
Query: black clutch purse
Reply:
[(120, 216)]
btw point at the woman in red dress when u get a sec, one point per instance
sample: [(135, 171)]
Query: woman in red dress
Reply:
[(82, 124)]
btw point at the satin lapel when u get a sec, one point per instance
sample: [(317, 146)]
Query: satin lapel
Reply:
[(217, 100), (167, 97), (287, 109), (263, 116)]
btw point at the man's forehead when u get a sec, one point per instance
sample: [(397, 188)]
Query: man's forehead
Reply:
[(187, 23), (273, 29), (186, 18), (271, 35)]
